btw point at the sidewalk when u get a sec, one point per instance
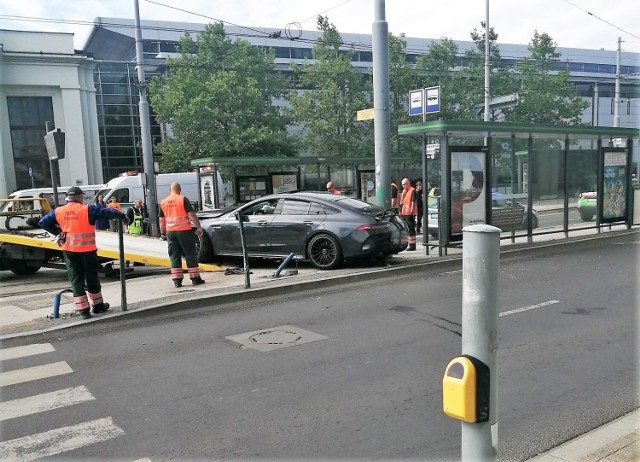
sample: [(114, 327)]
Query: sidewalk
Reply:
[(616, 441)]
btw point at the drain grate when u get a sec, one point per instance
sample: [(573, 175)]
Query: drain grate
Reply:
[(275, 338)]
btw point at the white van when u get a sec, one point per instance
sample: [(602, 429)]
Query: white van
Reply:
[(128, 188)]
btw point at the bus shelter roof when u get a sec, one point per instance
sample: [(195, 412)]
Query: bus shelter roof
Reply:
[(294, 161), (438, 128)]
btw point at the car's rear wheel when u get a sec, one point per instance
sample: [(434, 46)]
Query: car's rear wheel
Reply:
[(204, 248), (324, 252)]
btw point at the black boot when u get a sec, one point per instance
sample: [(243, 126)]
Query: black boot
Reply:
[(100, 308), (411, 247), (177, 283), (86, 314), (197, 281)]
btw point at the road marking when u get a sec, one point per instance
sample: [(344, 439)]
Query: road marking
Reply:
[(27, 350), (34, 373), (59, 440), (44, 402), (530, 307)]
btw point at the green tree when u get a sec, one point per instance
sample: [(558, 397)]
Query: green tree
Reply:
[(545, 97), (470, 80), (218, 96), (436, 68), (402, 77), (330, 93)]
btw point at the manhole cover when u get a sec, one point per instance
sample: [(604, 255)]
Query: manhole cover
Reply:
[(275, 338)]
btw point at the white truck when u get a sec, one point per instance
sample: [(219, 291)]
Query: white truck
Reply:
[(130, 187)]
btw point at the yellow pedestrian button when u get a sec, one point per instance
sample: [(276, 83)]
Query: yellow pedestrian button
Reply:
[(465, 390)]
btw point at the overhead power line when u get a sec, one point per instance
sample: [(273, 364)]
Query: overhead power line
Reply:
[(600, 19)]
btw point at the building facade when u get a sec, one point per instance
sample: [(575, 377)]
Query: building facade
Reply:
[(44, 79)]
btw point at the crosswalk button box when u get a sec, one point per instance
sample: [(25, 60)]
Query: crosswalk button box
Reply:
[(465, 390)]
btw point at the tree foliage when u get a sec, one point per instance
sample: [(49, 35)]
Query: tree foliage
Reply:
[(218, 97), (330, 93), (546, 97)]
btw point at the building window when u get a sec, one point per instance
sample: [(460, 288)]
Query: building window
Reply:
[(27, 117)]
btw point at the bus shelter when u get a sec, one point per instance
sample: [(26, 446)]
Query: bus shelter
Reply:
[(248, 178), (504, 174)]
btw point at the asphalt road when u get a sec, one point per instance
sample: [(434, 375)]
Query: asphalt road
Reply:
[(177, 388)]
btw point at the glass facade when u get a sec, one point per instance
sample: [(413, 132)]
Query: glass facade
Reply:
[(27, 117), (117, 102)]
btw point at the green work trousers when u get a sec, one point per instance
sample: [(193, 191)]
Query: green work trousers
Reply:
[(82, 267), (182, 244)]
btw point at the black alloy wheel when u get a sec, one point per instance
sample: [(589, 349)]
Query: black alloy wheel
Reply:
[(324, 252)]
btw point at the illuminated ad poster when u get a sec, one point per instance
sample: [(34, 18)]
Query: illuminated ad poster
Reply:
[(468, 190), (614, 197)]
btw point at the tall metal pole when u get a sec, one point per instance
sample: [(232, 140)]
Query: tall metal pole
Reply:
[(480, 272), (381, 116), (145, 128), (487, 69), (616, 101)]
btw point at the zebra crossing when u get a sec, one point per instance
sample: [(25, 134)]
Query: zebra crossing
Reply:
[(54, 441)]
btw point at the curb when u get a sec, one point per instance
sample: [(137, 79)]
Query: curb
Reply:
[(272, 288)]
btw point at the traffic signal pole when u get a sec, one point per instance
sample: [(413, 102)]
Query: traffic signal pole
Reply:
[(381, 116), (149, 181)]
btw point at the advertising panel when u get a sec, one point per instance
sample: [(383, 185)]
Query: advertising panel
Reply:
[(614, 196), (284, 182), (468, 190)]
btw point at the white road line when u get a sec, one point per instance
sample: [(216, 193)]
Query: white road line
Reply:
[(44, 402), (34, 373), (59, 440), (530, 307), (27, 350)]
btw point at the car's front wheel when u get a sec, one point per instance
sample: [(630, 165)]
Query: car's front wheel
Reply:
[(324, 252), (204, 248), (586, 216)]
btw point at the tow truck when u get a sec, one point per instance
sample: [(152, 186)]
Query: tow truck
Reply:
[(25, 248)]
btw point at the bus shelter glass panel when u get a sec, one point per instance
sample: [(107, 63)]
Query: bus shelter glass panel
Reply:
[(582, 182), (546, 183)]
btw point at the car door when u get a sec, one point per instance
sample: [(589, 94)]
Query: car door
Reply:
[(256, 220), (292, 225)]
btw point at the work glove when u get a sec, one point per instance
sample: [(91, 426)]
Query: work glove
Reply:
[(60, 239)]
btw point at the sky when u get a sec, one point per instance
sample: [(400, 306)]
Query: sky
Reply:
[(591, 24)]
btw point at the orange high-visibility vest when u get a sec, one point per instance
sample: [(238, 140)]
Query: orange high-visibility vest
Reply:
[(409, 206), (175, 215), (73, 219)]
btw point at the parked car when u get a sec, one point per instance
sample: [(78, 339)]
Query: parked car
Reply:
[(323, 228), (587, 203), (506, 213)]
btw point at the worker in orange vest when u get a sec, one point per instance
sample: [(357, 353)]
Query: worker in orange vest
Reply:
[(332, 189), (176, 216), (409, 211), (74, 224)]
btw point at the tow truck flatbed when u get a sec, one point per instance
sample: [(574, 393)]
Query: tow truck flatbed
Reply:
[(139, 249)]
